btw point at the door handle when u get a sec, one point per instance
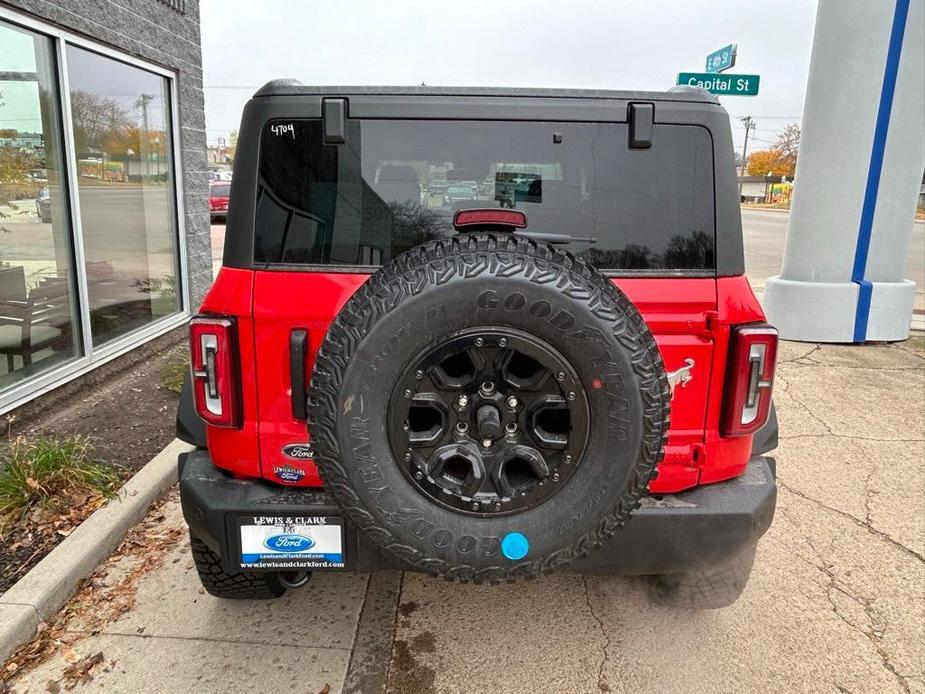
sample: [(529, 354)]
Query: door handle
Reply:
[(298, 347)]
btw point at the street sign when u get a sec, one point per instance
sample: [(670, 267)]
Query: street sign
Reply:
[(724, 85), (723, 59)]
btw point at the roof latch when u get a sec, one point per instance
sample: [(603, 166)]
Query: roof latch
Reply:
[(641, 118), (334, 114)]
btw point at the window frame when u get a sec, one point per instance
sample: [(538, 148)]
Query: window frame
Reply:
[(32, 387)]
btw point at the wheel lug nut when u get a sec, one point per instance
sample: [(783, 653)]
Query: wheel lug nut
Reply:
[(419, 374), (512, 402), (555, 477), (462, 427), (497, 506), (571, 395), (510, 427), (479, 342), (475, 505), (502, 342), (408, 392), (486, 443), (568, 459), (418, 475), (560, 376), (462, 401), (408, 457)]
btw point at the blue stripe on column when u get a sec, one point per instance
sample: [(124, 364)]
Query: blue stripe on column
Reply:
[(862, 313)]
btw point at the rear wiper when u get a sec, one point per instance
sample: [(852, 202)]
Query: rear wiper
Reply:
[(555, 238)]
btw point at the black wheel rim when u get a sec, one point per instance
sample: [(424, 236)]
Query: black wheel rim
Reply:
[(489, 421)]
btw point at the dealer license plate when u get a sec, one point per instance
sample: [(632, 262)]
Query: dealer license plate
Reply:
[(291, 542)]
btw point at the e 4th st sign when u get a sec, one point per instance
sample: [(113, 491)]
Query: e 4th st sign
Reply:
[(723, 85)]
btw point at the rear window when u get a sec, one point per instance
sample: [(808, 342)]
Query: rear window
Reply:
[(219, 190), (396, 184)]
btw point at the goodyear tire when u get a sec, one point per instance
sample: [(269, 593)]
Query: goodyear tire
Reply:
[(486, 408), (709, 588), (231, 586)]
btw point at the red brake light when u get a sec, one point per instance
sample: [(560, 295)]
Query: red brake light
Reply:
[(213, 351), (489, 217), (752, 354)]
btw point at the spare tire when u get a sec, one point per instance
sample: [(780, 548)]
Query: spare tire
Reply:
[(487, 408)]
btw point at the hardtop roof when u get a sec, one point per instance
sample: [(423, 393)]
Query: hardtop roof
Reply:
[(291, 87)]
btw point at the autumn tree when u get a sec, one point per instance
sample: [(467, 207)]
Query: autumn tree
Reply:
[(781, 158), (787, 145), (96, 118)]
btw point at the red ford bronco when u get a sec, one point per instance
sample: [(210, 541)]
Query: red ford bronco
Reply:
[(484, 334)]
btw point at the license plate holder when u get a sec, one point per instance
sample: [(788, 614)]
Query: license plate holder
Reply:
[(290, 542)]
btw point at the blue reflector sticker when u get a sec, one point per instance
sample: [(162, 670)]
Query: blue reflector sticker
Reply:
[(515, 546)]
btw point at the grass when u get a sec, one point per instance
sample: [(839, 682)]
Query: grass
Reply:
[(175, 369), (49, 473)]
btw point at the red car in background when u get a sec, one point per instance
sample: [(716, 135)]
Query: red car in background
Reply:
[(218, 198)]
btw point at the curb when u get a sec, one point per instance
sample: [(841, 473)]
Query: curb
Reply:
[(49, 584)]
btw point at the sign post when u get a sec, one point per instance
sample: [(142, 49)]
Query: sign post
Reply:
[(723, 59), (723, 85)]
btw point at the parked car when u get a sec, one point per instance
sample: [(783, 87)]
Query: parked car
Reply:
[(218, 199), (43, 205), (461, 190), (582, 382)]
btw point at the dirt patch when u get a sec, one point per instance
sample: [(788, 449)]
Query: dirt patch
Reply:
[(406, 674), (407, 608), (128, 419), (101, 599), (423, 643)]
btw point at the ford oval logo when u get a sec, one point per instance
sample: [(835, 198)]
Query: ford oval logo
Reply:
[(298, 451), (288, 543)]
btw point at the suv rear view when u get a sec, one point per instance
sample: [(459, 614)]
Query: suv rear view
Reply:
[(483, 334)]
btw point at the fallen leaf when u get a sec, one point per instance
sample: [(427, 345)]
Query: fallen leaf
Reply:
[(70, 655)]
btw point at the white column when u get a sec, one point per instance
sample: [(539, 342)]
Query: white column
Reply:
[(860, 164)]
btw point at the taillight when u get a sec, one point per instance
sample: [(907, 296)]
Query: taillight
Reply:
[(213, 351), (752, 354)]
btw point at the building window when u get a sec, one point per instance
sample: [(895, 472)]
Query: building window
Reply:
[(38, 308), (121, 128), (90, 259)]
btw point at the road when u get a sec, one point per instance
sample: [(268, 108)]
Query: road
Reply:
[(765, 232)]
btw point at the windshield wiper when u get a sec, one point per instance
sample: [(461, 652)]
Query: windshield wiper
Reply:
[(555, 238)]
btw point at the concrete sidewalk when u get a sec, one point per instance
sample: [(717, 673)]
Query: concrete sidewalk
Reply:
[(836, 601)]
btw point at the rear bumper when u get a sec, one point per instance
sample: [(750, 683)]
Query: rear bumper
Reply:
[(668, 534)]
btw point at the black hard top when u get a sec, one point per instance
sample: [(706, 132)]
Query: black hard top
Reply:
[(292, 87), (289, 99)]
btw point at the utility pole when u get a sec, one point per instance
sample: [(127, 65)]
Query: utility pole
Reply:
[(142, 103), (749, 124)]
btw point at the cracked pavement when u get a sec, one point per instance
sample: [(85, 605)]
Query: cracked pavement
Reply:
[(836, 601)]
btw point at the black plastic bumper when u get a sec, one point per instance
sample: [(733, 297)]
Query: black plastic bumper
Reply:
[(668, 534)]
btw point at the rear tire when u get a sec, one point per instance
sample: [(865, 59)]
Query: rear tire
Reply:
[(705, 589), (231, 586)]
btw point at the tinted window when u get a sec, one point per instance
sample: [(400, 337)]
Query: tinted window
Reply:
[(219, 190), (395, 184)]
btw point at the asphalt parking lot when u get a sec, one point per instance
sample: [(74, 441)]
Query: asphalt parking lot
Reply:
[(836, 601)]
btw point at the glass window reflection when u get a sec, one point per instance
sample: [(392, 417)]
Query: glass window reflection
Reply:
[(38, 329), (121, 128)]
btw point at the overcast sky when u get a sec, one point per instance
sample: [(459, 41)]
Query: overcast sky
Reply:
[(522, 43)]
